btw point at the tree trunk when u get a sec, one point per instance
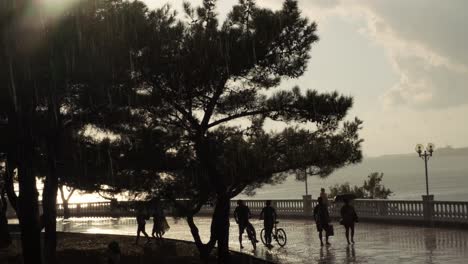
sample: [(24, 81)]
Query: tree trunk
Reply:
[(203, 249), (11, 159), (49, 198), (5, 238), (66, 209), (219, 231), (220, 226), (28, 208), (9, 183), (205, 149)]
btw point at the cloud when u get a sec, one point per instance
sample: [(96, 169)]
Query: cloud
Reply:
[(438, 26), (423, 84), (425, 41)]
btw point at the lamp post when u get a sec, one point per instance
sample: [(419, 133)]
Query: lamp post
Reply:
[(425, 155), (428, 200), (306, 184), (307, 198)]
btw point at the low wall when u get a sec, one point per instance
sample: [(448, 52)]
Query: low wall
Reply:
[(425, 211), (396, 211)]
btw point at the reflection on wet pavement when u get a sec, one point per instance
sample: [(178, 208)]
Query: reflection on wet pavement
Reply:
[(375, 243)]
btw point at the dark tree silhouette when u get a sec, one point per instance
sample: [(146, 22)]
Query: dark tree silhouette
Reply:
[(54, 77), (205, 92), (346, 188), (19, 77), (371, 189), (5, 238), (187, 101), (65, 200)]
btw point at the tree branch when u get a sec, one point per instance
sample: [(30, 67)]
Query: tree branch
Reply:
[(104, 196), (62, 195), (232, 117), (234, 191), (212, 104), (189, 117), (71, 193)]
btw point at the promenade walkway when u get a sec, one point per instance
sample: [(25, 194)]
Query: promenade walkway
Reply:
[(375, 243)]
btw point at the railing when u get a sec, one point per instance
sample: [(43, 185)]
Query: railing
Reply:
[(288, 208), (450, 211), (389, 209), (98, 209), (373, 210), (403, 211)]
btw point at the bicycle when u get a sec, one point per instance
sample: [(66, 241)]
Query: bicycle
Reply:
[(251, 235), (278, 234)]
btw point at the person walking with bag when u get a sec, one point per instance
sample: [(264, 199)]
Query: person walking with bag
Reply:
[(348, 218), (160, 225), (322, 220)]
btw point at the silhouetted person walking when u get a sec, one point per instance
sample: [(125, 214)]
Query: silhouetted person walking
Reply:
[(268, 215), (160, 225), (141, 221), (242, 215), (322, 220), (324, 196), (348, 218)]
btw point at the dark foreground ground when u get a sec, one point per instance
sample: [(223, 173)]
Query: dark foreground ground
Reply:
[(375, 243), (91, 249)]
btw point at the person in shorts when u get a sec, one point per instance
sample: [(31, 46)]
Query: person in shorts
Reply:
[(268, 215), (348, 218), (241, 216), (322, 220)]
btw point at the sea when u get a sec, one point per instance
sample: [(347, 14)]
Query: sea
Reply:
[(403, 174)]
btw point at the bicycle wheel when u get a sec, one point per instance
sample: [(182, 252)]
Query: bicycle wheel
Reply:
[(262, 236), (254, 243), (252, 239), (281, 237)]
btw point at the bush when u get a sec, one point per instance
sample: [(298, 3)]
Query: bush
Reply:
[(371, 189)]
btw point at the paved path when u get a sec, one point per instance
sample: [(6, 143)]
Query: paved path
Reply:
[(375, 243)]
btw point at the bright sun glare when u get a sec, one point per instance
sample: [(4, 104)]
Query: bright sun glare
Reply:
[(45, 12)]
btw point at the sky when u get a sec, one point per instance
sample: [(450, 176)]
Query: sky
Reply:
[(404, 62)]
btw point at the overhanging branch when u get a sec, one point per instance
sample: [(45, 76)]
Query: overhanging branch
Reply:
[(236, 116), (212, 104), (189, 117)]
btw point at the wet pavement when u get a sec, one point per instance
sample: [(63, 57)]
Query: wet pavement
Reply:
[(375, 243)]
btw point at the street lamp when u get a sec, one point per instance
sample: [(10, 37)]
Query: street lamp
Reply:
[(305, 180), (425, 154)]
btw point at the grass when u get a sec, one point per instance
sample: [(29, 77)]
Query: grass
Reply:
[(92, 249)]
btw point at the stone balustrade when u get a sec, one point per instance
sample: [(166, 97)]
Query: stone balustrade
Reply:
[(450, 211), (425, 211)]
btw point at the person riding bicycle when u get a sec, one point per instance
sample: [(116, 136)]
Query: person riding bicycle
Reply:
[(269, 216), (242, 215)]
